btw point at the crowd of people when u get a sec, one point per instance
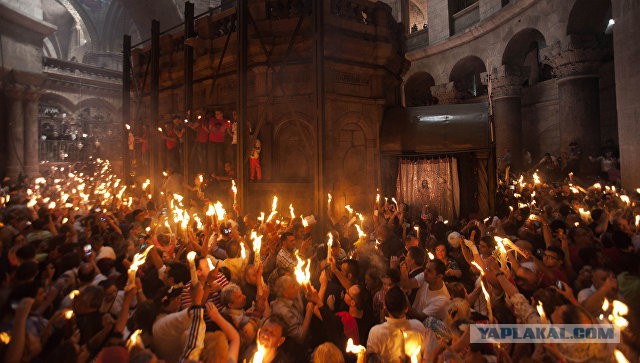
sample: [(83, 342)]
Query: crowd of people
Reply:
[(95, 270)]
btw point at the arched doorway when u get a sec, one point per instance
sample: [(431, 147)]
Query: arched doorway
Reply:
[(465, 76), (417, 90)]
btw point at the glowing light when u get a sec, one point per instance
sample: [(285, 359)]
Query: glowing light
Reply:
[(133, 339), (543, 316), (620, 358), (68, 314), (355, 349), (291, 211), (302, 273), (348, 208)]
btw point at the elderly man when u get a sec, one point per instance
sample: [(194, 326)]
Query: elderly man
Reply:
[(233, 300), (288, 304)]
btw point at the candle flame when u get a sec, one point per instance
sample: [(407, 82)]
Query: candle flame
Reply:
[(378, 198), (191, 256), (305, 224), (68, 314), (619, 310), (291, 211), (258, 357), (257, 242), (394, 201), (210, 264), (243, 252), (620, 358), (220, 212), (133, 339), (146, 184), (605, 305), (210, 211), (540, 308), (234, 188), (355, 349), (638, 220), (348, 208), (431, 256), (274, 204), (597, 186), (536, 178), (625, 198), (73, 294), (329, 198), (302, 273), (360, 233)]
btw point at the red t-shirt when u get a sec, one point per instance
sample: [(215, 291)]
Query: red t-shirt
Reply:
[(203, 135), (217, 129), (173, 141)]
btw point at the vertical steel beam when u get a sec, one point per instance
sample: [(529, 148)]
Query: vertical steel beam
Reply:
[(188, 84), (242, 14), (318, 63), (126, 106), (154, 100)]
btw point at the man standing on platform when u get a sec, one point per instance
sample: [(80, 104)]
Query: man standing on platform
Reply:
[(217, 129)]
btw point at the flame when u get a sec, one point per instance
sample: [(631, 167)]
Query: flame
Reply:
[(234, 188), (620, 358), (68, 314), (360, 233), (431, 256), (5, 338), (585, 215), (258, 357), (126, 126), (355, 349), (133, 339), (65, 220), (146, 184), (52, 205), (210, 211), (160, 129), (257, 242), (412, 348), (625, 198), (291, 211), (261, 218), (638, 220), (329, 198), (73, 294), (348, 208), (243, 252), (271, 215), (274, 204), (302, 274), (378, 198), (329, 240), (210, 264), (305, 224), (191, 256), (536, 178), (220, 212), (619, 310), (394, 201), (540, 308), (511, 208)]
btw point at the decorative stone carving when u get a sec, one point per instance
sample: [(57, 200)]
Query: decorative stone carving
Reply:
[(506, 80), (580, 56)]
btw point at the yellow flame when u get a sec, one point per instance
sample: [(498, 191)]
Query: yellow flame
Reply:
[(303, 275), (329, 198), (620, 358), (258, 357), (638, 220), (605, 305), (360, 233), (146, 184), (291, 211), (133, 339), (191, 256), (536, 178), (5, 338), (73, 294), (210, 264), (394, 201), (304, 221), (210, 210), (431, 256), (540, 308), (274, 204), (378, 198), (243, 252), (355, 349), (68, 314), (625, 198), (220, 212), (257, 242), (619, 310), (348, 208), (234, 188)]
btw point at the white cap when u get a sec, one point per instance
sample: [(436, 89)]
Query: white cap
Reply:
[(106, 252)]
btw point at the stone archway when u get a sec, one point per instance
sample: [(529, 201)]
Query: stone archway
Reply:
[(523, 50), (589, 17), (417, 90), (465, 76), (293, 150)]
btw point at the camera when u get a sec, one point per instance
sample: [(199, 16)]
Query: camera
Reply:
[(87, 249)]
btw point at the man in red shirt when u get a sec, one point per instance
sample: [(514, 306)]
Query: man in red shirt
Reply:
[(199, 152), (217, 129)]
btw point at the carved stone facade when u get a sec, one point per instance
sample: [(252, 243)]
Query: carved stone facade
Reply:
[(363, 63)]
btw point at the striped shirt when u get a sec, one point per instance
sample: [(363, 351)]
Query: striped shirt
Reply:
[(214, 296)]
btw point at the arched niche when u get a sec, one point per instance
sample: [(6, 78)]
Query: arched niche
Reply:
[(417, 90), (523, 49), (589, 17), (465, 75), (293, 150)]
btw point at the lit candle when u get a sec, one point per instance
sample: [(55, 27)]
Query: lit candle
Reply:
[(543, 316), (235, 191), (329, 245), (243, 252), (291, 211), (257, 243), (258, 357), (302, 273), (191, 256), (133, 340), (68, 314), (488, 298), (359, 350), (349, 209), (620, 358), (476, 265)]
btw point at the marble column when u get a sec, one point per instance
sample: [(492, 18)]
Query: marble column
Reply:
[(15, 138), (576, 67), (506, 86), (446, 93), (626, 46), (31, 157)]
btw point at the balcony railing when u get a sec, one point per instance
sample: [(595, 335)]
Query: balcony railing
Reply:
[(80, 69), (418, 39)]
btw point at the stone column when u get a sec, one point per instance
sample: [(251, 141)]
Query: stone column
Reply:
[(31, 157), (626, 47), (15, 130), (506, 86), (576, 67), (446, 93)]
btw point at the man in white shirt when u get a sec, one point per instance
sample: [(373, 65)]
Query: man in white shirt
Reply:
[(398, 337), (432, 297)]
